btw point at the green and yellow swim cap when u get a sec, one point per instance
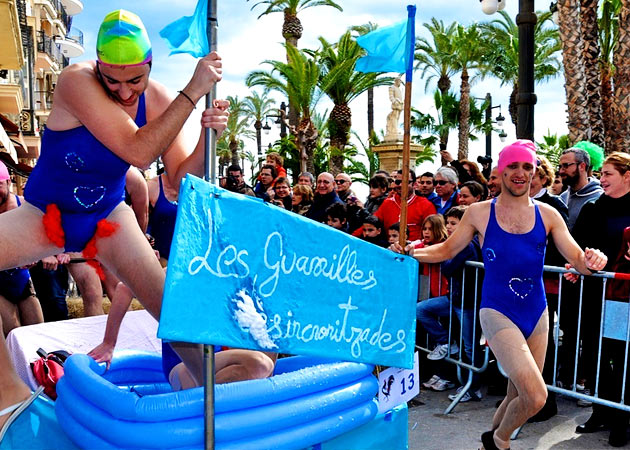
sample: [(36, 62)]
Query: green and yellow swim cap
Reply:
[(123, 40)]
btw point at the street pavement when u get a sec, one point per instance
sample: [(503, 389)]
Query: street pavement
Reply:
[(430, 429)]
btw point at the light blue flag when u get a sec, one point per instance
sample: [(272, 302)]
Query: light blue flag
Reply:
[(188, 34), (389, 49), (247, 274)]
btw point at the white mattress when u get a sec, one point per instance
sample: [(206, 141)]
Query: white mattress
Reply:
[(138, 332)]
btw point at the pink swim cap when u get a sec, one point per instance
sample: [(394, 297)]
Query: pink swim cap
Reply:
[(4, 173), (522, 150)]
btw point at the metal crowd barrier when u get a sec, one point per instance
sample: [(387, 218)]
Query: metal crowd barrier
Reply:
[(424, 292), (614, 323)]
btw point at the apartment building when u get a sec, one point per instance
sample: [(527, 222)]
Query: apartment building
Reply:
[(40, 41)]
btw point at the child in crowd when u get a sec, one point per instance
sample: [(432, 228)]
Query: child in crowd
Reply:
[(463, 303), (337, 217), (433, 232), (373, 231), (393, 233)]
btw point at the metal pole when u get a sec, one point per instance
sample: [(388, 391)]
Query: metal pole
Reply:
[(489, 121), (210, 174), (526, 98)]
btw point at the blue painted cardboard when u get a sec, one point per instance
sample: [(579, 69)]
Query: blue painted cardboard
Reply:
[(246, 274), (616, 320)]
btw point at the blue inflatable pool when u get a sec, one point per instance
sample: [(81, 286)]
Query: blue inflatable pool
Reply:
[(306, 402)]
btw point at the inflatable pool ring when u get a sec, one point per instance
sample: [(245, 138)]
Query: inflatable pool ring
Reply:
[(131, 406)]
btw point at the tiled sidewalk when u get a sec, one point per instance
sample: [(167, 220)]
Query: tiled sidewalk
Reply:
[(429, 429)]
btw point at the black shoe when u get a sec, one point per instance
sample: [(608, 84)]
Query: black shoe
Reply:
[(547, 412), (618, 437), (592, 425), (487, 439)]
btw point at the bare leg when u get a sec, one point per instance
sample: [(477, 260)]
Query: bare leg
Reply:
[(89, 285), (30, 311), (110, 283), (230, 365), (522, 360), (128, 255), (22, 237), (12, 388), (9, 314), (239, 365)]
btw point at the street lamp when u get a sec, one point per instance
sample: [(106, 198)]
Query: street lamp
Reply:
[(280, 120), (266, 126), (492, 6), (526, 98), (499, 120)]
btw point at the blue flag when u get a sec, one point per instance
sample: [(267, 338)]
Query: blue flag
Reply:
[(188, 34), (391, 48)]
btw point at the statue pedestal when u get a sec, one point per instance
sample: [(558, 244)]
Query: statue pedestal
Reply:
[(390, 155)]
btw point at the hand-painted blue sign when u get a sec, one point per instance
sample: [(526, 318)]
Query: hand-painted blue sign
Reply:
[(247, 274)]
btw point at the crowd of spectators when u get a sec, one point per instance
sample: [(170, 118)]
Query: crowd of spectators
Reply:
[(595, 206)]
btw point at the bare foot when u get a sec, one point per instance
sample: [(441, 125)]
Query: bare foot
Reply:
[(12, 396)]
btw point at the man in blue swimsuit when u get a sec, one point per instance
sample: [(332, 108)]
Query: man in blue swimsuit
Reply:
[(107, 115), (18, 303), (513, 230)]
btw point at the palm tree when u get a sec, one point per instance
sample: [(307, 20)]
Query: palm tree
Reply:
[(621, 105), (257, 106), (435, 59), (553, 146), (298, 81), (503, 52), (608, 37), (291, 28), (448, 110), (361, 30), (237, 128), (573, 62), (357, 169), (447, 107), (469, 54), (343, 84), (223, 153), (590, 55)]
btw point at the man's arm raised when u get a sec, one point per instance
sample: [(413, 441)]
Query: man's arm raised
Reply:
[(454, 244), (179, 161), (81, 95), (585, 261)]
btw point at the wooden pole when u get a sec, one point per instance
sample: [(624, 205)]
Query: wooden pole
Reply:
[(404, 188)]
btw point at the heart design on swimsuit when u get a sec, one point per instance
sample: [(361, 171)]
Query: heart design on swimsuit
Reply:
[(521, 287), (74, 161), (88, 197)]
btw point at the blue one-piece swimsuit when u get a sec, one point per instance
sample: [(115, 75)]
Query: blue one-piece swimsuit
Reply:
[(513, 263), (82, 177), (162, 222), (13, 282)]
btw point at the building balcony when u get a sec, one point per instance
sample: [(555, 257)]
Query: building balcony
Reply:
[(11, 51), (49, 55), (12, 92), (72, 44), (56, 12), (43, 102), (73, 7)]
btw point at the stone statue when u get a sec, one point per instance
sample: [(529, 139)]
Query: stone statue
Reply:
[(396, 98)]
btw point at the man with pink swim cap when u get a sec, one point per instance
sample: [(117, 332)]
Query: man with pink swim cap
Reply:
[(513, 231), (4, 172)]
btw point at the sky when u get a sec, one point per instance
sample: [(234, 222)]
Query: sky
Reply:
[(245, 42)]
